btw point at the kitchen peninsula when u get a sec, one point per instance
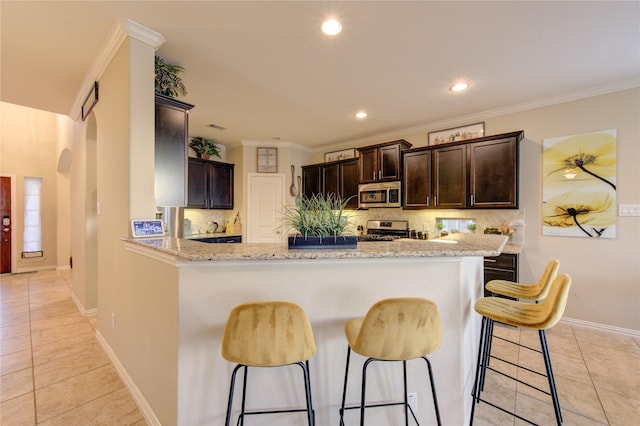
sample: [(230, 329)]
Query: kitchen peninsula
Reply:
[(187, 288)]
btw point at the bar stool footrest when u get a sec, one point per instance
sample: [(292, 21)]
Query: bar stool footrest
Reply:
[(381, 404), (504, 410)]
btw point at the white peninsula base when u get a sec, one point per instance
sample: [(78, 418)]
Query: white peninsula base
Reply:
[(185, 380)]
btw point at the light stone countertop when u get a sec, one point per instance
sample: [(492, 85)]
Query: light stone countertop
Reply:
[(455, 245)]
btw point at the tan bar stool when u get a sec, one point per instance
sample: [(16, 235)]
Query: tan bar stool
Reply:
[(268, 334), (522, 291), (398, 329), (534, 316)]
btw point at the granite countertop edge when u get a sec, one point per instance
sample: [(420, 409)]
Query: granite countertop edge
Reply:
[(457, 245)]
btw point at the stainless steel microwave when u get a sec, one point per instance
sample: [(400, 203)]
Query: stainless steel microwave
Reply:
[(382, 194)]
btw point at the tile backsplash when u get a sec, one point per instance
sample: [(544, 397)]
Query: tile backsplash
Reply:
[(422, 220), (200, 219)]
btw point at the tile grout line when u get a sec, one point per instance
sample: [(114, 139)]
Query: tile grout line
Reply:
[(33, 373), (595, 388)]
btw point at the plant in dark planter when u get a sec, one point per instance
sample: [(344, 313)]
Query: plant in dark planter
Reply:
[(318, 223), (167, 80), (204, 148)]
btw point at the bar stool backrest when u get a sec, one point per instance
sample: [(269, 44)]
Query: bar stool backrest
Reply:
[(400, 329), (268, 334), (548, 276), (555, 302)]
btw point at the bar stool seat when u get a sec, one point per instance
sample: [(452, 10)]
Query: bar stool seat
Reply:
[(268, 334), (397, 329), (534, 316), (522, 291)]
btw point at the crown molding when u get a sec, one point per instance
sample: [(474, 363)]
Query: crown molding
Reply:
[(121, 29), (142, 33), (617, 86)]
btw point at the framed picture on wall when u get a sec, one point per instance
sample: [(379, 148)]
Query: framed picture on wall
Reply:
[(455, 134), (343, 154), (267, 159)]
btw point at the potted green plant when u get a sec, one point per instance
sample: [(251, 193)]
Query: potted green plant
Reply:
[(318, 222), (204, 147), (472, 227), (167, 80)]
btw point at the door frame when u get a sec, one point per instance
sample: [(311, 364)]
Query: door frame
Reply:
[(14, 216)]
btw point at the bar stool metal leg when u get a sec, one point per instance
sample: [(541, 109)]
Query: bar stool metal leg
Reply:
[(307, 390), (433, 391), (344, 388), (231, 387), (552, 382)]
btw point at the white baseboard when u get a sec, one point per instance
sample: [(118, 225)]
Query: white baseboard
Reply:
[(34, 269), (602, 327), (141, 402), (83, 311), (62, 267)]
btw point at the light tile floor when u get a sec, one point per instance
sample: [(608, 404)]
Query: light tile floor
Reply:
[(54, 372), (597, 376)]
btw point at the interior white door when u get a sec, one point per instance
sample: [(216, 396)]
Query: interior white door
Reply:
[(264, 204)]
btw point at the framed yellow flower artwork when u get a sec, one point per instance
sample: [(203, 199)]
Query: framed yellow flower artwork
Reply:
[(579, 185)]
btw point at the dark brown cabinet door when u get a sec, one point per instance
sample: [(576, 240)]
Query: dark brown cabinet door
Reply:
[(417, 179), (311, 180), (331, 179), (381, 163), (197, 184), (170, 156), (220, 186), (450, 177), (368, 165), (349, 182), (389, 158), (493, 174)]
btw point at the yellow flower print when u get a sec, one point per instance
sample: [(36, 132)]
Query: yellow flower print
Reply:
[(579, 209), (582, 157)]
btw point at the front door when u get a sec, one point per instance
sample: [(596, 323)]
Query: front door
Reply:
[(5, 230), (264, 204)]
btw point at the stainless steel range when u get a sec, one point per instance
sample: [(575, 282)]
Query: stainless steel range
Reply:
[(385, 230)]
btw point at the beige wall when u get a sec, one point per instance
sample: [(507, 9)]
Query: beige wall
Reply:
[(606, 272), (29, 145), (125, 190)]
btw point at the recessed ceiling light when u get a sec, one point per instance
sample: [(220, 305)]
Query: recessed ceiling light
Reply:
[(361, 114), (331, 27), (458, 87)]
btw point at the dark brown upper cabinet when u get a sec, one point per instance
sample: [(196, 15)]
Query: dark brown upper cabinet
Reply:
[(416, 179), (338, 177), (312, 180), (171, 136), (382, 163), (493, 173), (481, 173), (450, 177), (210, 184)]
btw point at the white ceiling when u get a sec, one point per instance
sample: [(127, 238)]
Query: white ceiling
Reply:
[(264, 70)]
